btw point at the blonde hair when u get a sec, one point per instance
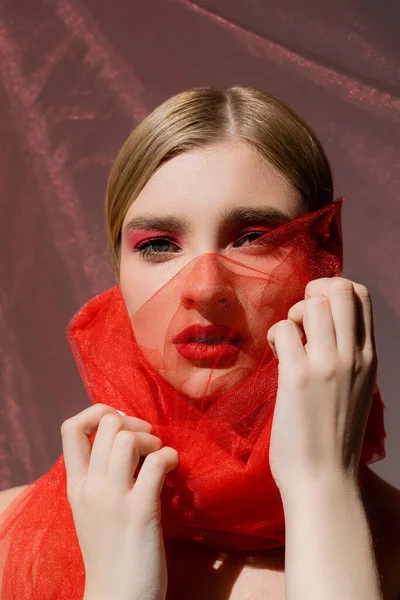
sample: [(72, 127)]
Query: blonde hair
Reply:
[(204, 116)]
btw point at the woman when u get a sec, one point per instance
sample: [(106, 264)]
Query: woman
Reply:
[(214, 208)]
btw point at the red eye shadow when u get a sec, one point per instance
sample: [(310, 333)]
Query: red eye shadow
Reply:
[(242, 232), (256, 228), (134, 238)]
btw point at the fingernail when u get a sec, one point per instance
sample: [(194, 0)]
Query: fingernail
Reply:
[(121, 413)]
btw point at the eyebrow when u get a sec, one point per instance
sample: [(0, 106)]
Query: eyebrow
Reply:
[(176, 223)]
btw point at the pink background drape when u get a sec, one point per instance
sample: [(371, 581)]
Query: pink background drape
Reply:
[(75, 78)]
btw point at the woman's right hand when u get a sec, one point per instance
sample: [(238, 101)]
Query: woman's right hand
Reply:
[(117, 518)]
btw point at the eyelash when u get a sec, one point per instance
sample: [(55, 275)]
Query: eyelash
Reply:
[(144, 248)]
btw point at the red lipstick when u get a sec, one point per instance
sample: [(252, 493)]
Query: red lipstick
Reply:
[(209, 343)]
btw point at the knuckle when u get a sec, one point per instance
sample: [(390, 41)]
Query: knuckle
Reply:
[(110, 420), (311, 286), (283, 325), (154, 461), (317, 300), (126, 437), (296, 309), (326, 369), (101, 410), (342, 286), (349, 362), (371, 358), (363, 291), (79, 419), (291, 313), (94, 412), (68, 425)]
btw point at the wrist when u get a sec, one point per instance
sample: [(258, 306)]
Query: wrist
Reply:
[(324, 486)]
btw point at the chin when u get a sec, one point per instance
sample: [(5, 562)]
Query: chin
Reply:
[(197, 383), (206, 382)]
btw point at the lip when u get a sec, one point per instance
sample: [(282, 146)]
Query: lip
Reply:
[(209, 335), (208, 354)]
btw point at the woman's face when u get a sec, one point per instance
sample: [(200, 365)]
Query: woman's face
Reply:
[(206, 202)]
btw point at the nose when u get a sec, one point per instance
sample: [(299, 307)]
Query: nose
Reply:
[(209, 285)]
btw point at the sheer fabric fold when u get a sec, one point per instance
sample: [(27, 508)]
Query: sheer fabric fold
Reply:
[(216, 411)]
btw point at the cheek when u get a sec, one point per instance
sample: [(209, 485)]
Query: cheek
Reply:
[(136, 283), (140, 281)]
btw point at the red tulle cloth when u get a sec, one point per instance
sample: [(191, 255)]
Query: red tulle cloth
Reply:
[(217, 412)]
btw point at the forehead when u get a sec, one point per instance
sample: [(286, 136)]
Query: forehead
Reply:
[(206, 182)]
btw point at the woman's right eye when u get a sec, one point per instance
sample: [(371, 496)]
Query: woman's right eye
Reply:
[(156, 249)]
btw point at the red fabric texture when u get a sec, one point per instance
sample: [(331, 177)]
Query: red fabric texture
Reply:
[(222, 493)]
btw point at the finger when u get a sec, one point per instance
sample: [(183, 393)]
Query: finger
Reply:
[(366, 335), (109, 426), (345, 316), (76, 431), (149, 483), (286, 339), (136, 424), (272, 333), (296, 312), (318, 286), (125, 455), (341, 295), (320, 330)]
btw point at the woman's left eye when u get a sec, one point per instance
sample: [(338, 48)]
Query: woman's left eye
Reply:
[(249, 237)]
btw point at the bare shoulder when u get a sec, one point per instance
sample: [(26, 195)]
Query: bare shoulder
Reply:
[(7, 496), (382, 504)]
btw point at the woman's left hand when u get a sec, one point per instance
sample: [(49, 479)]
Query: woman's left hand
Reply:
[(325, 387)]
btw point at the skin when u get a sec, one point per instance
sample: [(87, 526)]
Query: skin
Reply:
[(216, 179), (232, 176), (332, 550)]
